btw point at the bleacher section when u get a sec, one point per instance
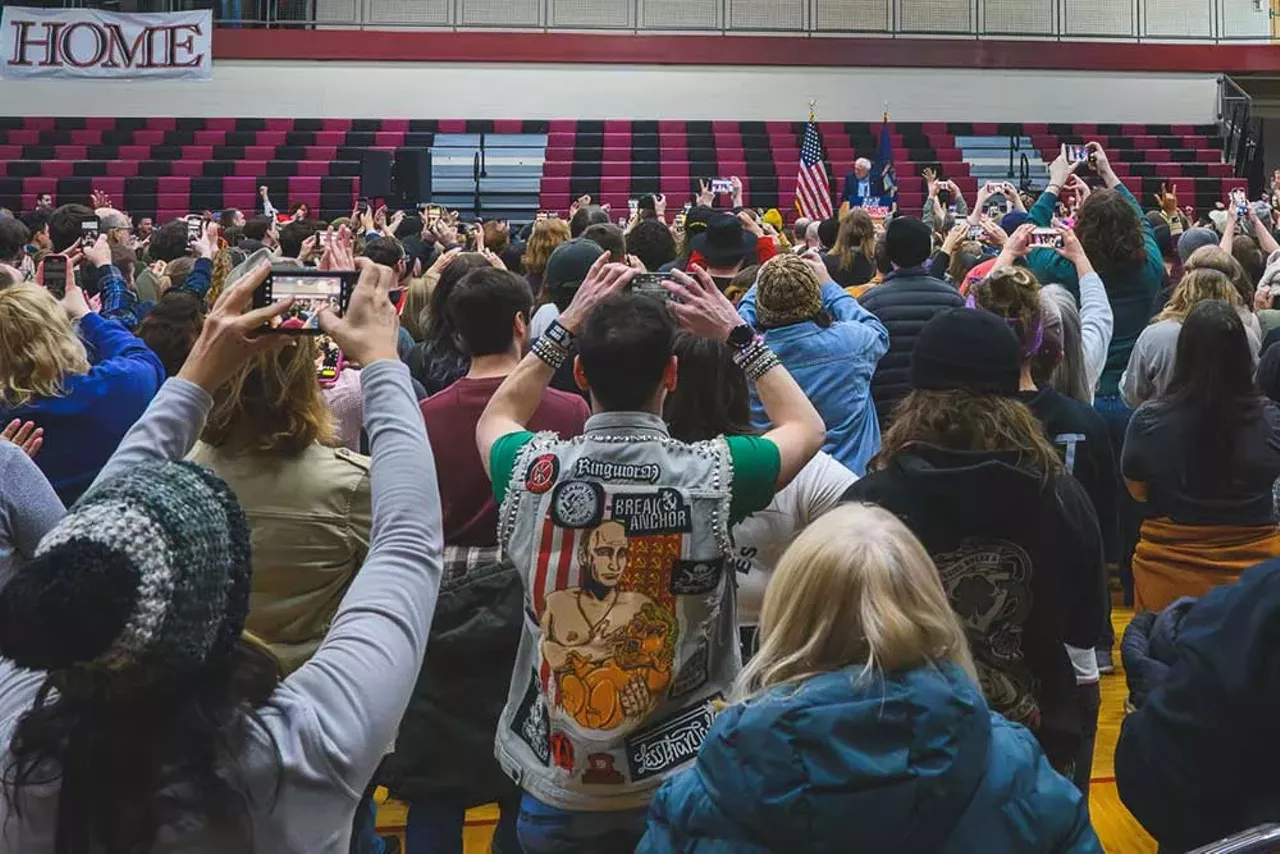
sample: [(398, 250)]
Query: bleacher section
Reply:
[(166, 167)]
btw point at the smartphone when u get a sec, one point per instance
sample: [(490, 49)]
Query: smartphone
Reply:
[(89, 230), (721, 186), (944, 198), (1046, 237), (680, 220), (311, 290), (1075, 153), (329, 360), (633, 207), (1241, 200), (976, 232), (195, 226), (55, 275), (434, 212), (363, 204), (650, 284)]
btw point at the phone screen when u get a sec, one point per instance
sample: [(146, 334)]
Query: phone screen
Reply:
[(633, 205), (976, 232), (1046, 237), (721, 186), (195, 225), (89, 230), (1076, 153), (310, 291), (55, 275), (650, 284), (328, 358)]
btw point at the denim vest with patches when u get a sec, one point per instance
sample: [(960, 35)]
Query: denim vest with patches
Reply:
[(621, 536)]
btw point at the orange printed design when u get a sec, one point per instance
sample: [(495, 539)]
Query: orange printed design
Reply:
[(609, 642)]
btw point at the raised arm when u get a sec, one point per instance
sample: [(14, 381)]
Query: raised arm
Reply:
[(513, 404), (359, 681), (1097, 321), (176, 415), (798, 430)]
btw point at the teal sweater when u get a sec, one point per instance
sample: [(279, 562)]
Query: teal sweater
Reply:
[(1132, 292)]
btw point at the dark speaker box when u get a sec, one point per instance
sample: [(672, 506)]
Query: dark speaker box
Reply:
[(375, 175), (413, 176)]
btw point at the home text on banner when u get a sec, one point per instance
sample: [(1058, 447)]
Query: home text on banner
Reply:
[(80, 43)]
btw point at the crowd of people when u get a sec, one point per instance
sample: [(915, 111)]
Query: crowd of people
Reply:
[(706, 532)]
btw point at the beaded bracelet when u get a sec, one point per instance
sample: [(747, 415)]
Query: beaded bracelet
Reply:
[(760, 367), (550, 352), (752, 351)]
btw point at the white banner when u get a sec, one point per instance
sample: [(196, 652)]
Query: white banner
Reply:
[(80, 43)]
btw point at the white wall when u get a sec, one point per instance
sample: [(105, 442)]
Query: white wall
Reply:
[(438, 90)]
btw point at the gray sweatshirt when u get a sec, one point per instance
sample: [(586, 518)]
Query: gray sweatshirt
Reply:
[(333, 718), (28, 508), (1151, 363)]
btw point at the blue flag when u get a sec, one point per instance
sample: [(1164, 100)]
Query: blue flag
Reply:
[(884, 163)]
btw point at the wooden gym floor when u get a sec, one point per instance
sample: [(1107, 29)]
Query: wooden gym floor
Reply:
[(1120, 832)]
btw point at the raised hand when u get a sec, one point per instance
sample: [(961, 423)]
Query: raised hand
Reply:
[(367, 332), (700, 306)]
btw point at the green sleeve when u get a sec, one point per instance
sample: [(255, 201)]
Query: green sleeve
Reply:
[(502, 459), (756, 464), (1042, 211)]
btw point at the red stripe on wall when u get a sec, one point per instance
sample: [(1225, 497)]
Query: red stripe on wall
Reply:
[(658, 48)]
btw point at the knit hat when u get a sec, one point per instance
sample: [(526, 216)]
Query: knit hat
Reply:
[(567, 267), (828, 232), (787, 292), (1010, 221), (1193, 239), (774, 217), (908, 242), (968, 349), (141, 587)]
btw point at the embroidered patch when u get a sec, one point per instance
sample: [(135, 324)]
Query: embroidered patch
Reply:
[(601, 771), (663, 512), (671, 742), (693, 673), (577, 504), (530, 722), (542, 474), (562, 751), (695, 577), (608, 470)]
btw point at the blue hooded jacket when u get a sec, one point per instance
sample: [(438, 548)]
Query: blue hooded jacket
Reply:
[(913, 762)]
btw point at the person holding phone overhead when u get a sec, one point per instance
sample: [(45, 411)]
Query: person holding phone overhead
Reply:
[(82, 378)]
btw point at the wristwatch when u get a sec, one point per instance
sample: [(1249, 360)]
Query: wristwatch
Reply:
[(557, 333), (741, 336)]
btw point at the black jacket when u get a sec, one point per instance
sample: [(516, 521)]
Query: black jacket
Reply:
[(1021, 561), (444, 749), (904, 302), (1197, 760)]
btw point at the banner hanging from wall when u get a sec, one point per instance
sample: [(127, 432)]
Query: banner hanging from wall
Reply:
[(65, 44)]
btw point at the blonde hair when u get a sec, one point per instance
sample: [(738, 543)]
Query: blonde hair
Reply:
[(38, 347), (1217, 258), (417, 300), (222, 267), (546, 236), (855, 587), (273, 405), (1198, 285)]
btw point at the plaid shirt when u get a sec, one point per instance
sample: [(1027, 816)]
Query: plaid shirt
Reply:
[(119, 302)]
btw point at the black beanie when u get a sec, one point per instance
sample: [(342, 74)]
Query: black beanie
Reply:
[(968, 349), (908, 241)]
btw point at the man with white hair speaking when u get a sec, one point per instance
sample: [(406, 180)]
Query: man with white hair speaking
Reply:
[(861, 186)]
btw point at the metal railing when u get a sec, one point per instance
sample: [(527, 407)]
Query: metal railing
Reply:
[(1241, 134), (1204, 21)]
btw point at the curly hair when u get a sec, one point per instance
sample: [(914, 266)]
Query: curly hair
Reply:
[(171, 328), (651, 242), (1014, 294), (1198, 285), (1110, 231), (273, 405), (960, 420), (38, 347), (546, 236), (223, 264)]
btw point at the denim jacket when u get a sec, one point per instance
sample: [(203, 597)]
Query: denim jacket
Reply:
[(834, 366)]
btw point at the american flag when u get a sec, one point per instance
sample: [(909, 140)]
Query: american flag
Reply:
[(813, 190)]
